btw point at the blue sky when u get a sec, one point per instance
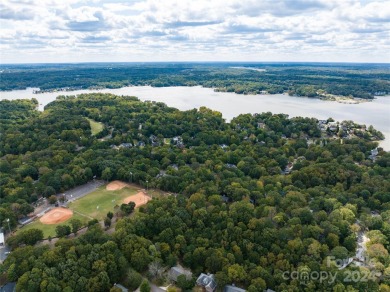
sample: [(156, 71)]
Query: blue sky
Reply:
[(196, 30)]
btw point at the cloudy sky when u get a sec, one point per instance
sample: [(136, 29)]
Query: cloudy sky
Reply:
[(194, 30)]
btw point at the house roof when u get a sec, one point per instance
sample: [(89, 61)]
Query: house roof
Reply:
[(231, 288), (9, 287), (124, 289), (206, 281), (177, 271)]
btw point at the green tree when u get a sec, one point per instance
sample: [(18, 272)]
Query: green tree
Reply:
[(184, 284), (49, 191), (236, 273), (107, 222), (76, 225), (107, 174), (145, 287), (133, 280), (92, 222), (12, 275), (52, 199), (128, 208), (63, 230)]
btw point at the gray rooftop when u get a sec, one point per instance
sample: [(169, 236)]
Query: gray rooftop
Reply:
[(232, 288), (206, 281)]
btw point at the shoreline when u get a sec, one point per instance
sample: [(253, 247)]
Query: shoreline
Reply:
[(324, 97), (231, 104)]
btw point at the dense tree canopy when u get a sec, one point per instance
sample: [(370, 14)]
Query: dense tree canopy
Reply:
[(304, 79), (234, 211)]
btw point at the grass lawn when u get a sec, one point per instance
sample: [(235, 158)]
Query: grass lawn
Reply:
[(96, 127), (106, 200), (50, 229)]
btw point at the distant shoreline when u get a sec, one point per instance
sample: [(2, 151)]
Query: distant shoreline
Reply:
[(324, 97)]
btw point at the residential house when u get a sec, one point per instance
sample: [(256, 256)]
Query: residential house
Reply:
[(260, 125), (288, 168), (178, 141), (9, 287), (161, 174), (332, 126), (229, 165), (207, 282), (154, 140), (125, 145), (233, 288), (174, 166), (374, 154), (177, 271), (124, 289), (225, 198)]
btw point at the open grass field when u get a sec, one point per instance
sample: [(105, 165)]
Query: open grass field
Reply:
[(96, 127), (98, 203), (50, 229)]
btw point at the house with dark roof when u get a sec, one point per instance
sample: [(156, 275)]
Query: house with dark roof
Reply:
[(225, 198), (9, 287), (207, 282)]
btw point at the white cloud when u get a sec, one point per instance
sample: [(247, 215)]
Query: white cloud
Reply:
[(178, 30)]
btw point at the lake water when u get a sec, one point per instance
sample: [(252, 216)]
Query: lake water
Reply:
[(376, 113)]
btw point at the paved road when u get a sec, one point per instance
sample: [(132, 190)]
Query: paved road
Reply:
[(81, 191), (4, 253)]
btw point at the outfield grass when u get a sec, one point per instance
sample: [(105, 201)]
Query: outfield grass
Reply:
[(96, 127), (50, 229), (106, 200), (87, 206)]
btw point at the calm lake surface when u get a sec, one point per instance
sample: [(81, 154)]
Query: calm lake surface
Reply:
[(376, 113)]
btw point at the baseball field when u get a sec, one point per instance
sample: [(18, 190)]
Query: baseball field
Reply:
[(98, 203), (94, 205)]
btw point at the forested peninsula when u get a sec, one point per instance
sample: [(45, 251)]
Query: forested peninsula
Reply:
[(249, 201), (315, 80)]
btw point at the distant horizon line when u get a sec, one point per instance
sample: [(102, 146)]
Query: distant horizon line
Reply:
[(193, 62)]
